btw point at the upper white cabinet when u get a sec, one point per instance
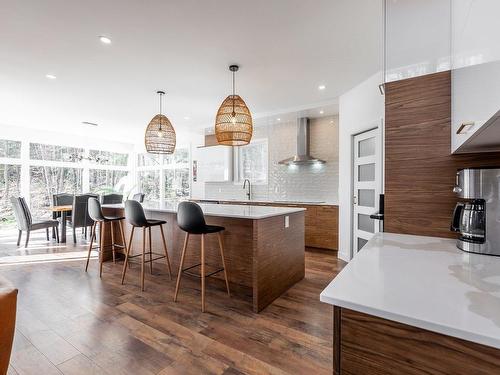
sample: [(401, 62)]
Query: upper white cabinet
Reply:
[(417, 38), (215, 163), (474, 32), (475, 76)]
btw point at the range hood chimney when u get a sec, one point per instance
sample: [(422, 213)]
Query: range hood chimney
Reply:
[(302, 155)]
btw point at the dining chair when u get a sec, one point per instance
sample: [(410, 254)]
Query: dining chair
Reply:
[(79, 215), (26, 223), (139, 197), (111, 199), (61, 199)]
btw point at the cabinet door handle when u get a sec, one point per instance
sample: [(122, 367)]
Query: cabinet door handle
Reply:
[(465, 127)]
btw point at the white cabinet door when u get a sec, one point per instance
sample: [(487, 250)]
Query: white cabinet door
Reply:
[(216, 164), (475, 92), (474, 32)]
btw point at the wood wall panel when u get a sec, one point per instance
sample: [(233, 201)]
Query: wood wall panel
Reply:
[(419, 169)]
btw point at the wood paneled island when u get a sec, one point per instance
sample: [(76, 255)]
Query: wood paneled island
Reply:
[(264, 246)]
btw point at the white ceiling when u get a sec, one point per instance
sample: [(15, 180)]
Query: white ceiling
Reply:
[(285, 48)]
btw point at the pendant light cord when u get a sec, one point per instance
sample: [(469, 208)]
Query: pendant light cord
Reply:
[(160, 94), (233, 95)]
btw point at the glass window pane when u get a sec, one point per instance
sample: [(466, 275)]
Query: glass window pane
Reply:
[(365, 223), (108, 158), (39, 151), (149, 184), (366, 147), (366, 172), (104, 181), (176, 183), (10, 149), (361, 242), (253, 162), (10, 181), (46, 181), (366, 197), (145, 159)]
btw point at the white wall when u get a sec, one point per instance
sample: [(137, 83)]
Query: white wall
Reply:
[(360, 109)]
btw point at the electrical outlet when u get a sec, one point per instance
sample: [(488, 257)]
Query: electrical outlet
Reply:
[(287, 221)]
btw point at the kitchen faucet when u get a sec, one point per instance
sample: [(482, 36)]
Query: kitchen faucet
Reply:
[(249, 192)]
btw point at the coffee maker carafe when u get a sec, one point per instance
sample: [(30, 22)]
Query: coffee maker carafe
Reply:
[(477, 216)]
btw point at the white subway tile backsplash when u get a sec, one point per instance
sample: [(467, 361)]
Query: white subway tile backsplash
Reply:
[(300, 183)]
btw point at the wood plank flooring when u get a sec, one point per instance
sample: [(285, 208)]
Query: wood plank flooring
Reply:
[(71, 322)]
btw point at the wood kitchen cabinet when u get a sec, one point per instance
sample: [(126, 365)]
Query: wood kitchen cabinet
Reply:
[(321, 222)]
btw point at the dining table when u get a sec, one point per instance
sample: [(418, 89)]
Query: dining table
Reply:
[(64, 218)]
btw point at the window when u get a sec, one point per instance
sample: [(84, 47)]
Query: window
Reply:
[(10, 186), (108, 158), (40, 151), (149, 184), (10, 149), (46, 181), (176, 183), (145, 160), (105, 181), (253, 162)]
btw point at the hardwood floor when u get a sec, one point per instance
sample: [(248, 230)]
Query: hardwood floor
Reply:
[(72, 322)]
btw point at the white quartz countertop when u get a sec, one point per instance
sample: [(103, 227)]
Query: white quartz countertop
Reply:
[(268, 201), (223, 210), (426, 282)]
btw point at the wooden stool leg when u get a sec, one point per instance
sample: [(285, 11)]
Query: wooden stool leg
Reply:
[(143, 256), (112, 230), (101, 247), (181, 265), (221, 246), (166, 251), (150, 252), (202, 273), (127, 251), (92, 235)]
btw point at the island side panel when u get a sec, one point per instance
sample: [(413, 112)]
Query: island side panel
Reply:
[(279, 257), (373, 345)]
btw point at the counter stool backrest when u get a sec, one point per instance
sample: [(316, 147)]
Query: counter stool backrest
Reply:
[(134, 213), (95, 211), (190, 217)]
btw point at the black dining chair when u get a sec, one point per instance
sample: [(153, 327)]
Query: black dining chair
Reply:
[(135, 216), (61, 199), (139, 197), (26, 223), (79, 215), (112, 199), (191, 220), (96, 214)]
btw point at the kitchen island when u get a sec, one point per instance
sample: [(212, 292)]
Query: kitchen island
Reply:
[(264, 246), (416, 305)]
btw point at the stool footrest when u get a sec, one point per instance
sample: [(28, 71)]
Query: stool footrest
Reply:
[(146, 260), (186, 271)]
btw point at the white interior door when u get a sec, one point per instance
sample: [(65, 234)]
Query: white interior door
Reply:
[(367, 185)]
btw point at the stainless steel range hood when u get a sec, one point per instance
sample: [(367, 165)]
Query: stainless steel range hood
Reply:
[(302, 155)]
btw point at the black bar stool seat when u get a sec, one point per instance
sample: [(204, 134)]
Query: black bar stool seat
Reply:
[(96, 214), (134, 214), (191, 220)]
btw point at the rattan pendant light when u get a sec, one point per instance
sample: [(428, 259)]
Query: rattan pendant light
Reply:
[(160, 134), (233, 123)]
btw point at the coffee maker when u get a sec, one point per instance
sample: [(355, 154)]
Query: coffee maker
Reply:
[(477, 216)]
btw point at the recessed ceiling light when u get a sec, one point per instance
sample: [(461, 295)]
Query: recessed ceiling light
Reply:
[(105, 39), (321, 87), (89, 123), (50, 76), (321, 112), (187, 118), (278, 119)]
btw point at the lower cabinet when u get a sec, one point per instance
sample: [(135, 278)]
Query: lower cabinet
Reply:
[(321, 223), (365, 344)]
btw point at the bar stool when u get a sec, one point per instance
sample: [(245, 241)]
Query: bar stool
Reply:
[(191, 220), (134, 214), (95, 213)]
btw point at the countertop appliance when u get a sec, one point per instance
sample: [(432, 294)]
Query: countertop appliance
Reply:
[(477, 216)]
